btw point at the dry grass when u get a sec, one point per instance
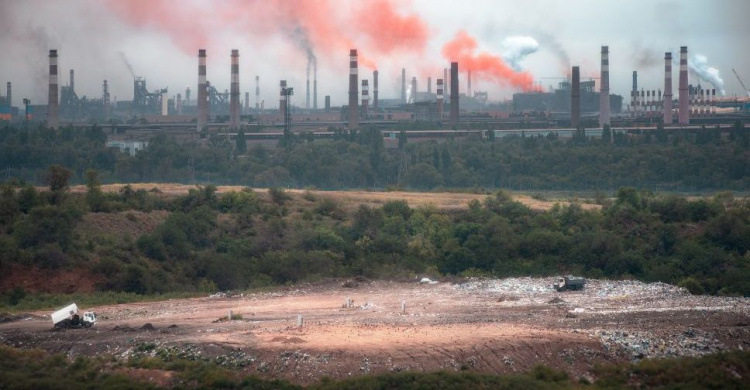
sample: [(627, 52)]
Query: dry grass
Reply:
[(350, 199)]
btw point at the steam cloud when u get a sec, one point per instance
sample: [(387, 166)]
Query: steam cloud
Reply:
[(699, 65), (516, 48)]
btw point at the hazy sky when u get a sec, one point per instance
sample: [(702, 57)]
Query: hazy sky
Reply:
[(160, 40)]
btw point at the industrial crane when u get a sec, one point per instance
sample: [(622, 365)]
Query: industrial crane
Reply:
[(747, 91)]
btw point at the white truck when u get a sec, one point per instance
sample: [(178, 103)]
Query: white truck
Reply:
[(69, 317)]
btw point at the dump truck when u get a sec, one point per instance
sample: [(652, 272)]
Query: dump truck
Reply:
[(70, 317), (568, 283)]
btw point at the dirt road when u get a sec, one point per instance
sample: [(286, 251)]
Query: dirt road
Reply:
[(493, 326)]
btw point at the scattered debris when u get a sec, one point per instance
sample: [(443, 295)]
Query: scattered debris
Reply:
[(427, 281)]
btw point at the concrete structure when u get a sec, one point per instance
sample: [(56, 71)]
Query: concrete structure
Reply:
[(315, 88), (683, 116), (454, 94), (440, 98), (403, 86), (446, 81), (365, 98), (234, 91), (353, 90), (307, 90), (202, 102), (178, 104), (575, 98), (164, 103), (257, 92), (634, 93), (429, 85), (604, 113), (106, 107), (413, 98), (53, 97), (328, 103), (375, 89)]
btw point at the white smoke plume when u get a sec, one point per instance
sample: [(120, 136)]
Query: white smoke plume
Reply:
[(699, 65), (410, 98), (515, 48)]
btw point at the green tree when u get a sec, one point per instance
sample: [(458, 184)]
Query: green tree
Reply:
[(241, 142)]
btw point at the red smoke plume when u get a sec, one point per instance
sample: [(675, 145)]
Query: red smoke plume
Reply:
[(332, 27), (485, 65)]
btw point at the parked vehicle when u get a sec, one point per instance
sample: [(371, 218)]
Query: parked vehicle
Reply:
[(69, 317), (568, 283)]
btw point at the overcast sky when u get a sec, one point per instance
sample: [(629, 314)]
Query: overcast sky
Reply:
[(160, 40)]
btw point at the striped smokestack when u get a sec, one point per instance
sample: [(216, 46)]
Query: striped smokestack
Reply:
[(365, 98), (575, 98), (202, 102), (667, 88), (53, 101), (454, 94), (234, 91), (375, 89), (683, 117), (604, 90), (403, 86), (282, 99), (353, 90), (440, 98)]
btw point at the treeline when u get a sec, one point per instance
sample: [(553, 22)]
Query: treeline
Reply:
[(706, 160), (242, 240), (36, 369)]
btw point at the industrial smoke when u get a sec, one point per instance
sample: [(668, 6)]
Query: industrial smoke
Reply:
[(515, 48), (699, 65)]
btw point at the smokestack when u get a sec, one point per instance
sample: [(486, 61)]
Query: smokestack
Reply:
[(72, 81), (187, 96), (683, 116), (445, 77), (257, 92), (667, 88), (604, 90), (454, 94), (164, 103), (353, 92), (202, 102), (468, 85), (575, 98), (440, 98), (52, 108), (403, 86), (178, 104), (9, 95), (413, 89), (429, 85), (307, 90), (375, 89), (365, 98), (634, 93), (234, 92), (328, 103), (315, 86), (105, 101), (282, 99), (247, 102)]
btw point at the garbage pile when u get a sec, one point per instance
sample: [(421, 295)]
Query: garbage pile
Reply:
[(641, 345)]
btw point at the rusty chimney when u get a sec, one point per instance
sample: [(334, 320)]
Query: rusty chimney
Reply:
[(683, 117), (454, 94), (365, 98), (53, 98), (575, 98), (604, 90), (440, 98), (202, 102), (234, 92), (667, 88), (375, 89), (353, 90)]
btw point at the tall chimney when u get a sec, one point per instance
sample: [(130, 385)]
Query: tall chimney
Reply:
[(315, 85), (353, 90), (307, 89), (105, 101), (454, 94), (468, 85), (365, 98), (72, 81), (9, 95), (604, 90), (445, 78), (327, 103), (634, 93), (683, 117), (257, 92), (202, 102), (403, 86), (234, 92), (178, 104), (429, 85), (53, 101), (375, 89), (282, 100), (575, 98), (413, 89), (667, 88), (164, 103), (440, 98)]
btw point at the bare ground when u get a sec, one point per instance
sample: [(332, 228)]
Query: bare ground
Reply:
[(491, 326)]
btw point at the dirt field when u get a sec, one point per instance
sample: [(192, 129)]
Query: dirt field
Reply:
[(493, 326)]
